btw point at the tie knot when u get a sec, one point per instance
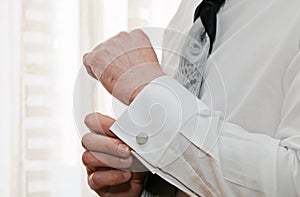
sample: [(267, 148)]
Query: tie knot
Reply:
[(207, 10), (212, 6)]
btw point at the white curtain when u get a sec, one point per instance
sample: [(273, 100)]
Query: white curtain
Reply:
[(9, 95), (42, 42)]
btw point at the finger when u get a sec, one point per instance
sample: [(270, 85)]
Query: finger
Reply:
[(99, 123), (137, 166), (101, 57), (141, 34), (90, 72), (88, 62), (103, 144), (101, 179), (94, 160), (97, 61)]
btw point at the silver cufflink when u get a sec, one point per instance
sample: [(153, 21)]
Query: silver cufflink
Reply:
[(141, 138)]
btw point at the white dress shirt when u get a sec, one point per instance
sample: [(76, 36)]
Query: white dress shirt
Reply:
[(242, 138)]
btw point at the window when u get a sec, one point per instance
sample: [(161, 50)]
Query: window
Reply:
[(42, 42)]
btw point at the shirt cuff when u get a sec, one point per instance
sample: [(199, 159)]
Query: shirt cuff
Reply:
[(155, 117)]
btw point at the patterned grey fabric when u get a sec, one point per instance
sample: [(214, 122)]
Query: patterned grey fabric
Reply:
[(194, 55)]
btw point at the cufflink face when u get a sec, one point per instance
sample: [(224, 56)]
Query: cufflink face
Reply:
[(141, 138)]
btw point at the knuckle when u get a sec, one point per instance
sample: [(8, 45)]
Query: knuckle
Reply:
[(104, 57), (86, 139), (116, 178), (95, 56), (119, 163), (139, 31), (94, 121), (141, 34), (111, 45), (92, 181), (89, 59), (89, 70), (124, 163), (85, 59), (89, 118), (101, 53), (97, 179), (86, 158), (122, 34)]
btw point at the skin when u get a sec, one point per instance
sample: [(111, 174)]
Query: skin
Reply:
[(104, 158), (124, 64)]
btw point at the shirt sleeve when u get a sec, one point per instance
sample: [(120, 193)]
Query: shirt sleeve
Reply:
[(175, 135)]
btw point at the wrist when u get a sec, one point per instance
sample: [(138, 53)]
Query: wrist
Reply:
[(131, 83), (141, 87)]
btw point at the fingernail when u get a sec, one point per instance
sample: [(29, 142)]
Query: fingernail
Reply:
[(127, 175), (123, 149), (125, 162)]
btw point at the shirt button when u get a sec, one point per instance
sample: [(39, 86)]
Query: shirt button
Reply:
[(142, 138)]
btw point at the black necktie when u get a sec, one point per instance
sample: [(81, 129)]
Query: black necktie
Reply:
[(207, 10)]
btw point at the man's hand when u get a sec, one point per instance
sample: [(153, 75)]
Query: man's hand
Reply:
[(108, 160), (124, 64)]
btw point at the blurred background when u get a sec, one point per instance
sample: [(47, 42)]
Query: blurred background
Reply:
[(41, 45)]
